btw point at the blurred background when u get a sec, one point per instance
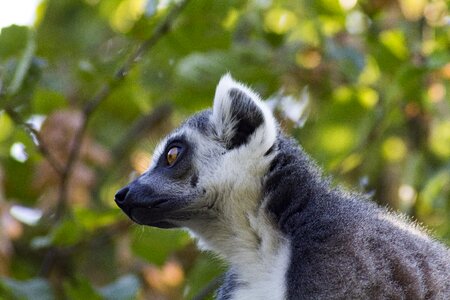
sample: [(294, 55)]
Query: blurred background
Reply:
[(88, 87)]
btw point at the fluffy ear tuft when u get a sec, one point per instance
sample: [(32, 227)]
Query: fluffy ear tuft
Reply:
[(239, 113)]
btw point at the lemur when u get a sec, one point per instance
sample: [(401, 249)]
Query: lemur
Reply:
[(249, 193)]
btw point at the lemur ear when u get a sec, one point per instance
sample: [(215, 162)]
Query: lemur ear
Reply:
[(240, 117)]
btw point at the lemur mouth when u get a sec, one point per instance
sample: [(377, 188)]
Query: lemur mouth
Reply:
[(155, 217), (161, 213)]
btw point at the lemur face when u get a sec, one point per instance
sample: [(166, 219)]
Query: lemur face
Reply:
[(202, 169)]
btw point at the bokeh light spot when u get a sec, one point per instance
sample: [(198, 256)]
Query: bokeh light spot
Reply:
[(394, 149), (280, 20)]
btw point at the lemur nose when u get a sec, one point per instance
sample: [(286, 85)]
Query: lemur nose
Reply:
[(121, 195)]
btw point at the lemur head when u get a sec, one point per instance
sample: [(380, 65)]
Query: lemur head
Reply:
[(209, 171)]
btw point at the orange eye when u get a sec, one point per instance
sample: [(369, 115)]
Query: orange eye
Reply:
[(172, 155)]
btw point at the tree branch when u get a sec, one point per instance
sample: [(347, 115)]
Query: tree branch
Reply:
[(89, 108), (36, 136), (163, 28)]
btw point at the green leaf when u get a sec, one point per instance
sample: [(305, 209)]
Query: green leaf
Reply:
[(440, 139), (206, 268), (6, 126), (46, 101), (24, 65), (434, 192), (20, 81), (81, 289), (68, 233), (124, 288), (92, 220), (155, 245), (13, 40), (395, 41)]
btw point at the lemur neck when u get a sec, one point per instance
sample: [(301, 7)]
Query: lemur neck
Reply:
[(244, 234)]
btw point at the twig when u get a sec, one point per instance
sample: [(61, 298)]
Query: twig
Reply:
[(104, 92), (87, 111), (37, 139)]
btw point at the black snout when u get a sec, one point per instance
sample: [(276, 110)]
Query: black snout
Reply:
[(124, 201), (146, 206), (121, 195), (134, 195)]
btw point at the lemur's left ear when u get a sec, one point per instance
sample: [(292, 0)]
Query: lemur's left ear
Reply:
[(240, 117)]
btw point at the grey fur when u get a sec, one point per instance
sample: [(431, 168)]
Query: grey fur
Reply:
[(255, 197), (345, 247)]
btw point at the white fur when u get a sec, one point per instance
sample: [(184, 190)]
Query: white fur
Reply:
[(267, 280), (244, 234)]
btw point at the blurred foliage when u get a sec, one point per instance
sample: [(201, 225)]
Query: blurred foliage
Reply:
[(376, 75)]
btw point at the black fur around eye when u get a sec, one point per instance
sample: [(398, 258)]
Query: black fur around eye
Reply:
[(172, 155)]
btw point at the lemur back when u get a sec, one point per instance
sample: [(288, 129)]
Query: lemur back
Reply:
[(252, 195)]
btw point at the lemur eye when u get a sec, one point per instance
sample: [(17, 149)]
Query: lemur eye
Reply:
[(172, 155)]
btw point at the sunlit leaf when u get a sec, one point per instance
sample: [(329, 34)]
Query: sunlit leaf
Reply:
[(306, 32), (394, 149), (351, 162), (331, 25), (280, 20), (6, 126), (231, 19), (126, 14), (367, 97), (395, 41), (370, 73), (440, 139), (337, 138), (343, 94), (412, 9)]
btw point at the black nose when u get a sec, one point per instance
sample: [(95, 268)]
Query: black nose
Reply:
[(121, 195)]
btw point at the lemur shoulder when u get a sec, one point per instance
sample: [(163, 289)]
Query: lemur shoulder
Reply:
[(249, 193)]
